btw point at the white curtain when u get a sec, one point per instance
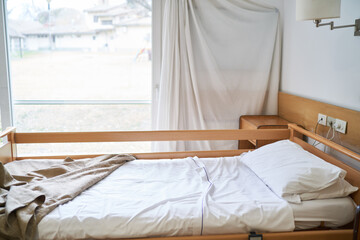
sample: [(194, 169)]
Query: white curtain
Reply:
[(220, 60)]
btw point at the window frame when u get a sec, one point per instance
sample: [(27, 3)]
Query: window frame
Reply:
[(157, 16), (5, 83)]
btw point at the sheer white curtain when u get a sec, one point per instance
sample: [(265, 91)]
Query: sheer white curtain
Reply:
[(220, 60)]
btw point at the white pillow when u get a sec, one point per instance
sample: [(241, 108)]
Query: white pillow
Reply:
[(290, 171), (340, 189)]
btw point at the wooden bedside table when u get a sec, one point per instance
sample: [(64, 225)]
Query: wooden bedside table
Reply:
[(260, 122)]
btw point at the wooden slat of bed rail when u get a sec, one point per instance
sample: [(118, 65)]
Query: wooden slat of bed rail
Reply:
[(326, 142), (345, 234), (155, 155), (130, 136)]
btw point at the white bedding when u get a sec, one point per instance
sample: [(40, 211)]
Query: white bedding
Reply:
[(334, 212), (176, 197)]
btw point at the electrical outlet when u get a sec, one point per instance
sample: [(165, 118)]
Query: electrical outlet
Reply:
[(322, 119), (330, 122), (340, 126)]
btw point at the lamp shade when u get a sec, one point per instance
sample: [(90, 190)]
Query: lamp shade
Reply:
[(317, 9)]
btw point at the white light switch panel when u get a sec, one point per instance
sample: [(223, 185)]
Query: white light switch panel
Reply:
[(340, 126)]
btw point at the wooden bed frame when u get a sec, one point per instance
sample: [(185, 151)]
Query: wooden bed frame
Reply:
[(8, 154)]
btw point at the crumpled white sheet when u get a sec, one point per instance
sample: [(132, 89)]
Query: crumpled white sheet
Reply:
[(192, 196)]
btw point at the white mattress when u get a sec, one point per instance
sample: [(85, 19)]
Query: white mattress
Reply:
[(333, 212), (171, 197)]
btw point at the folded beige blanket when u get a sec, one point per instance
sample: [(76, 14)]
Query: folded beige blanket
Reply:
[(28, 195)]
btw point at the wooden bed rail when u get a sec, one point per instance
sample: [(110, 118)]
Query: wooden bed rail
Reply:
[(7, 132), (153, 155), (335, 146), (352, 176), (142, 136), (8, 149), (341, 234)]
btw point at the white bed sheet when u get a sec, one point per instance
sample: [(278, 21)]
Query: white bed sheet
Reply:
[(334, 212), (171, 197)]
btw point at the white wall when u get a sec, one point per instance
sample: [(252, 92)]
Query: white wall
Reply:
[(321, 64)]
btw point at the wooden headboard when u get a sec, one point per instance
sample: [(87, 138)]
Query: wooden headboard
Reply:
[(304, 112)]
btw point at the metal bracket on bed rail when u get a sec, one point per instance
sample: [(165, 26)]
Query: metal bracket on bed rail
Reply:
[(254, 236), (356, 223)]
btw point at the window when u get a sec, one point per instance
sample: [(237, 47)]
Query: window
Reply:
[(106, 22), (83, 83)]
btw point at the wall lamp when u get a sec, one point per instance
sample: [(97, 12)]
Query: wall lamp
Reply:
[(317, 10)]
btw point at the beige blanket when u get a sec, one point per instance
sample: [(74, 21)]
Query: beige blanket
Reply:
[(26, 196)]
